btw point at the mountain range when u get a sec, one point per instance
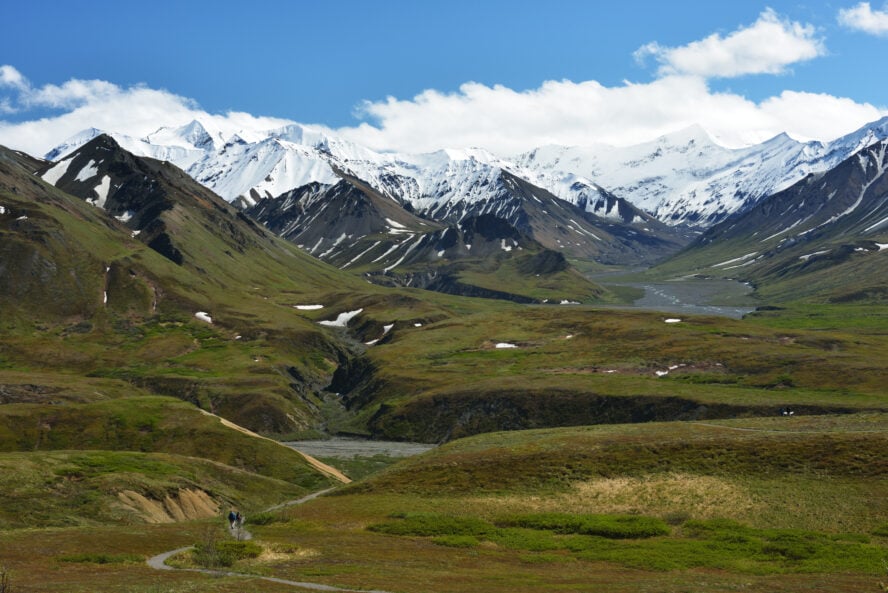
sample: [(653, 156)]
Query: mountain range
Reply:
[(681, 179), (405, 219)]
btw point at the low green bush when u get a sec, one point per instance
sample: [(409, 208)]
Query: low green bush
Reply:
[(633, 541), (430, 525), (609, 526), (225, 553), (527, 539), (265, 519), (457, 541)]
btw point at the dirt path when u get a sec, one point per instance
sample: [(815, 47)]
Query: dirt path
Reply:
[(158, 562)]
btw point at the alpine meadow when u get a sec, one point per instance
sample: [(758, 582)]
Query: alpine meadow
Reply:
[(590, 336)]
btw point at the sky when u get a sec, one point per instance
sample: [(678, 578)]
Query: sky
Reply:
[(417, 76)]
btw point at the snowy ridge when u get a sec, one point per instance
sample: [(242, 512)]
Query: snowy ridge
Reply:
[(447, 184), (687, 178), (680, 178)]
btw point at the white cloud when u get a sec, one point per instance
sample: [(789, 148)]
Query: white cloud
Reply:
[(569, 113), (10, 77), (768, 46), (498, 118), (71, 94), (863, 18), (135, 111)]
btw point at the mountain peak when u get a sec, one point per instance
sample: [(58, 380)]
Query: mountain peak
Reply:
[(193, 135), (694, 134), (72, 144)]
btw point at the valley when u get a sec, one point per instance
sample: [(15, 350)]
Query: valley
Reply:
[(490, 382), (690, 295)]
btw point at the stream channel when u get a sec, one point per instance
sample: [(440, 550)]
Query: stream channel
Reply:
[(347, 448), (691, 296)]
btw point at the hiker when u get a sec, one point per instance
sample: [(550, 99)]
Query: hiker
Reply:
[(239, 519), (232, 518)]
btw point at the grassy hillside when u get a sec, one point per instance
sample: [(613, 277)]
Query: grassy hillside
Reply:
[(768, 504), (771, 504), (90, 488), (149, 424), (663, 468), (84, 298), (839, 271), (571, 365)]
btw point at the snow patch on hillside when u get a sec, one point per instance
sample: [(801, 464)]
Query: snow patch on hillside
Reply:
[(56, 172), (102, 192), (342, 319), (88, 172), (204, 316)]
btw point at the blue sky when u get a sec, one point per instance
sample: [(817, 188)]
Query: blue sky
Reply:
[(336, 64)]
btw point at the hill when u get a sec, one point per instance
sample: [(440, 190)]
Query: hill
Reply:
[(355, 228), (782, 503), (163, 286)]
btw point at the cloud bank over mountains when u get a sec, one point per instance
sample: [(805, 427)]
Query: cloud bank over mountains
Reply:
[(500, 119)]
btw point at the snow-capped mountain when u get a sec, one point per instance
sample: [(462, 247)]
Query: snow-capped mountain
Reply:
[(826, 234), (446, 184), (847, 203), (686, 178), (153, 199), (350, 223)]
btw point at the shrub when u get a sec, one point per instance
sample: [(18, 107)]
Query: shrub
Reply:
[(457, 541), (527, 539), (225, 553), (429, 524), (213, 552), (239, 550), (265, 518), (609, 526)]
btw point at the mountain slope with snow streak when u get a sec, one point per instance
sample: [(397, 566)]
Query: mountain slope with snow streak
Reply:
[(354, 227), (821, 235), (686, 178)]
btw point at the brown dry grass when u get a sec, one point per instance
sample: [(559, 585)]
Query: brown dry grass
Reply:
[(187, 505), (698, 496)]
